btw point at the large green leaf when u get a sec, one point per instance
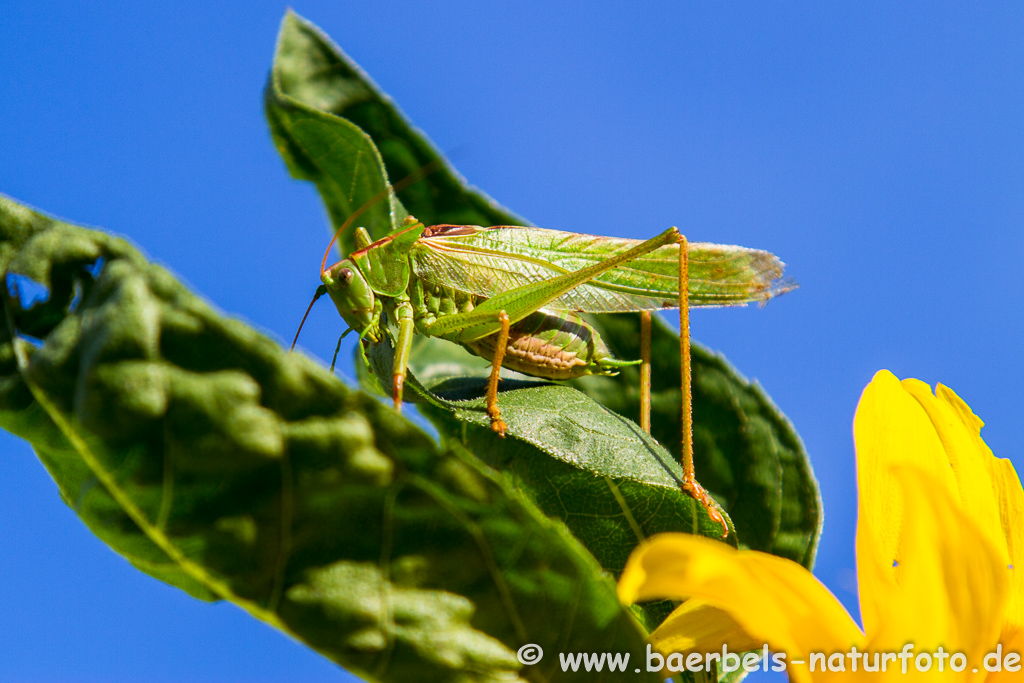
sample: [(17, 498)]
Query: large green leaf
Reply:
[(747, 453), (334, 126), (332, 152), (745, 450), (217, 462), (612, 484)]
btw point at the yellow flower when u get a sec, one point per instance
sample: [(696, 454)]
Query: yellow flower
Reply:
[(940, 531)]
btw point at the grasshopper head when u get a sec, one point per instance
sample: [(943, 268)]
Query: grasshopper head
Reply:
[(352, 296)]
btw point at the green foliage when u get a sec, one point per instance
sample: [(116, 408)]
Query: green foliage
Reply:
[(610, 483), (745, 451), (335, 127), (214, 461), (217, 462)]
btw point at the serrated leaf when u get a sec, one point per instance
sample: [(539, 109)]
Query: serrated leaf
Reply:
[(215, 461), (753, 462), (746, 451), (311, 70), (782, 513), (612, 484)]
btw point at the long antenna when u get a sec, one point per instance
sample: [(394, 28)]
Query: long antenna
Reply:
[(320, 291), (417, 175)]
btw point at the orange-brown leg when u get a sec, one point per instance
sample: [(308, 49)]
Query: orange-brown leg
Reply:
[(690, 484), (645, 371), (497, 424)]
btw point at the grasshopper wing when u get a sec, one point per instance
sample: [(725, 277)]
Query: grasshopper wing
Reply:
[(485, 261)]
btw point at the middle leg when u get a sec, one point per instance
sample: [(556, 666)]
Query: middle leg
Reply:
[(497, 424)]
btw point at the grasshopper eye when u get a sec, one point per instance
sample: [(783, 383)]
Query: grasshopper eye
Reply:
[(345, 276)]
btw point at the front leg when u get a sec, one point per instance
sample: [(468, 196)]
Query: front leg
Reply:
[(403, 346)]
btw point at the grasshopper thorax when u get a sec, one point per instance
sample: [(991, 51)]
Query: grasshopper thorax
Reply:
[(352, 296)]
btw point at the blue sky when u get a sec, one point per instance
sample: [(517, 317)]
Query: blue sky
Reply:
[(875, 147)]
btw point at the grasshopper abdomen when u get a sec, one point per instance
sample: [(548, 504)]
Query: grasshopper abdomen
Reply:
[(551, 346), (545, 344)]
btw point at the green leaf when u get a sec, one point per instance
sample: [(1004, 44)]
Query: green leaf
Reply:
[(626, 467), (753, 461), (215, 461), (312, 78), (612, 484), (318, 146), (746, 452)]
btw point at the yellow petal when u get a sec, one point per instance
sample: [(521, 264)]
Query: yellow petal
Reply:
[(989, 489), (953, 586), (696, 626), (969, 458), (1011, 513), (771, 599), (890, 428), (1008, 497)]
